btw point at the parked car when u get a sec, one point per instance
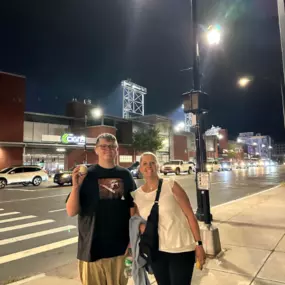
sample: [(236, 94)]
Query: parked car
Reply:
[(134, 169), (177, 167), (226, 166), (24, 175), (65, 177), (212, 166)]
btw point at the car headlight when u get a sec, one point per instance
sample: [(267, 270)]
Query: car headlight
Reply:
[(224, 165)]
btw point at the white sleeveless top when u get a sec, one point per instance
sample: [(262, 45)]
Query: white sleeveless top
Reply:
[(174, 231)]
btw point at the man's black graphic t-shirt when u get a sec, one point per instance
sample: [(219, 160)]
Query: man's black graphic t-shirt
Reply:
[(103, 222)]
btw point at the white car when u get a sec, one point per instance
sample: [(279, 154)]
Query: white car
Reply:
[(22, 175)]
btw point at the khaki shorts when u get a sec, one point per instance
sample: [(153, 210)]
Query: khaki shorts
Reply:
[(107, 271)]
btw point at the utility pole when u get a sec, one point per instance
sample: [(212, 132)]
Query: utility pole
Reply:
[(281, 18)]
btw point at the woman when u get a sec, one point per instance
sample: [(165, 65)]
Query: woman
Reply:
[(179, 235)]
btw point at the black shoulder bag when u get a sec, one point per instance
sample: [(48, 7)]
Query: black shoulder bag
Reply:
[(149, 242)]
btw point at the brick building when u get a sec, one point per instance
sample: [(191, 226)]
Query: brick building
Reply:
[(57, 142)]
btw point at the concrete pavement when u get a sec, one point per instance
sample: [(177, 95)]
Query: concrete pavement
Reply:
[(252, 232)]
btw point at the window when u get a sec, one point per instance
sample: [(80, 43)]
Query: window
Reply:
[(18, 170), (138, 158), (126, 158), (31, 169)]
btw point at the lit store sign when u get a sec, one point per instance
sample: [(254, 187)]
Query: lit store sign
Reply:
[(71, 139)]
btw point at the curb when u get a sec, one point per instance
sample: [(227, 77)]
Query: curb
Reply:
[(23, 281), (249, 196)]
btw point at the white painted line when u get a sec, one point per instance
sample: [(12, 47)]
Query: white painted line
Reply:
[(249, 196), (14, 189), (1, 209), (37, 250), (8, 214), (22, 226), (17, 219), (218, 182), (37, 234), (28, 279), (59, 210), (29, 199)]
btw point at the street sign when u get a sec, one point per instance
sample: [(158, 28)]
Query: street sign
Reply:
[(203, 180)]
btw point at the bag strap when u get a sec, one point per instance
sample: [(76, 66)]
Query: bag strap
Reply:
[(158, 190)]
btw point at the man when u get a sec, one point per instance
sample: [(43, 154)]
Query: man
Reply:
[(101, 199)]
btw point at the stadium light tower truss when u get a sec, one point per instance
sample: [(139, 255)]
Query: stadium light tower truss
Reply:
[(133, 99)]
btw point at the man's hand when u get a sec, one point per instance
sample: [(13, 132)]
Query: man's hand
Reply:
[(200, 255), (77, 177)]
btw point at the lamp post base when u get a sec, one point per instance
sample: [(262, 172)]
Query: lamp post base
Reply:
[(211, 240)]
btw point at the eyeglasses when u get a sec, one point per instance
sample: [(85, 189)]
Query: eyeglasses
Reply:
[(106, 146)]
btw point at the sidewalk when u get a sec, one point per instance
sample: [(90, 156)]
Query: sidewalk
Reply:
[(252, 232)]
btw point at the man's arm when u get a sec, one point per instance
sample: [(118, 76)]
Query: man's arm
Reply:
[(73, 203)]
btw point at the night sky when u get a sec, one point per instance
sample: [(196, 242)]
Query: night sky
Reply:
[(85, 48)]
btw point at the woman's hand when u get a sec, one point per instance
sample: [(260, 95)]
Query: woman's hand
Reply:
[(142, 228), (200, 255)]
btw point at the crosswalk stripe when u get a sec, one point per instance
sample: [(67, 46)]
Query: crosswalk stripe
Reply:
[(8, 214), (22, 226), (37, 234), (59, 210), (17, 219), (37, 250), (30, 199)]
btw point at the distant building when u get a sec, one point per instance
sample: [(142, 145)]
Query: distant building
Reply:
[(256, 145)]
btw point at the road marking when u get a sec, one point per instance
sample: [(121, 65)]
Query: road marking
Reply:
[(59, 210), (29, 199), (28, 279), (8, 214), (22, 226), (37, 234), (14, 189), (1, 209), (248, 196), (37, 250), (218, 182), (17, 219)]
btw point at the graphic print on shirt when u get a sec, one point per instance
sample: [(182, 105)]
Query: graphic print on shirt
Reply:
[(111, 188)]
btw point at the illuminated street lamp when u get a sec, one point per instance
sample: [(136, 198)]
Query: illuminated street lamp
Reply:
[(179, 127), (220, 136), (214, 35), (270, 147), (243, 82), (97, 113)]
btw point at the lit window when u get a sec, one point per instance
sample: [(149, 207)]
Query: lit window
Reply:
[(126, 158)]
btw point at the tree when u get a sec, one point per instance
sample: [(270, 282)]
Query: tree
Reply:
[(147, 140)]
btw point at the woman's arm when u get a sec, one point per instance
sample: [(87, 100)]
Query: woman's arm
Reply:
[(183, 201), (185, 205)]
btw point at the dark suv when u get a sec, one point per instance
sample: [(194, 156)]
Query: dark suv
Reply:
[(65, 177)]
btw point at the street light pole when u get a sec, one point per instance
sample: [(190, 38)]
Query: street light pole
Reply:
[(85, 145), (197, 102), (201, 155)]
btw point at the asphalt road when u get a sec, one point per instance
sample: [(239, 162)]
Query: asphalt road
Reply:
[(36, 235)]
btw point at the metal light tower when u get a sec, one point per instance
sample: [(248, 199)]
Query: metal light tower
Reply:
[(133, 99)]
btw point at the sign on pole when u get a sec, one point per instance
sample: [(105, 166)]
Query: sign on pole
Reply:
[(203, 180)]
